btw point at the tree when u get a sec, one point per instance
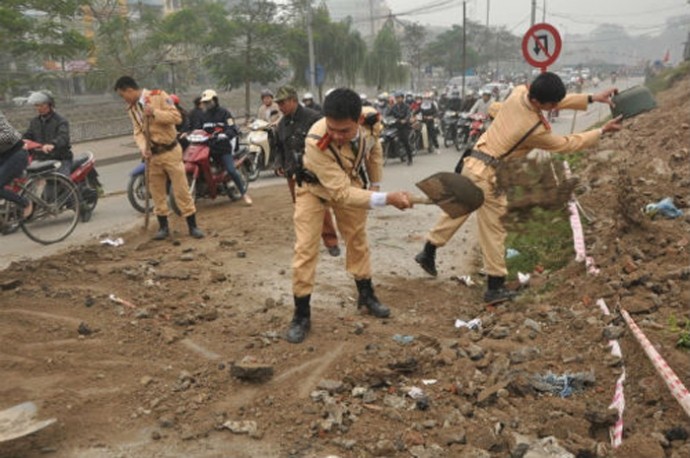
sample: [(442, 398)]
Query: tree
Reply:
[(446, 51), (246, 48), (383, 67), (413, 40)]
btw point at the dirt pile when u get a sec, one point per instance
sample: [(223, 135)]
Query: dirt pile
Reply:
[(175, 348)]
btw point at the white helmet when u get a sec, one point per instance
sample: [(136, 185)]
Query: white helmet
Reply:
[(308, 96), (363, 97), (208, 95), (40, 97)]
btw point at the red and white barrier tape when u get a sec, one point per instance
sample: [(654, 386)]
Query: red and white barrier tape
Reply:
[(678, 390), (578, 233), (618, 403)]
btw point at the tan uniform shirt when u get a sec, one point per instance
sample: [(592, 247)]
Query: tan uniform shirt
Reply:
[(265, 113), (516, 117), (374, 160), (161, 125), (342, 186)]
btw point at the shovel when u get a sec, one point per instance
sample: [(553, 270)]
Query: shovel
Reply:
[(456, 194), (20, 421)]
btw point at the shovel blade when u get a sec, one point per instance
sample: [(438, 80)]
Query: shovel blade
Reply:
[(456, 194)]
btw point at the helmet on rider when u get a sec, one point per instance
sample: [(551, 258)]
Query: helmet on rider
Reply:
[(383, 97), (399, 94), (307, 96), (266, 93), (41, 98), (455, 94)]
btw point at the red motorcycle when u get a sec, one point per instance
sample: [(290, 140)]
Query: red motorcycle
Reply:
[(477, 127), (207, 176), (84, 176)]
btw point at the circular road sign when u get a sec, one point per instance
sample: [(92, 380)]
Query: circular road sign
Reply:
[(541, 45)]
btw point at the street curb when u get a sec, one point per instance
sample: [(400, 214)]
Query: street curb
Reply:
[(117, 159)]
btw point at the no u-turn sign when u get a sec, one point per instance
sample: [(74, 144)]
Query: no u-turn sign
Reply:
[(541, 45)]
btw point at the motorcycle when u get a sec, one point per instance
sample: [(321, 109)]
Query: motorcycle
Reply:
[(450, 128), (463, 136), (259, 139), (208, 179), (418, 135), (477, 128), (390, 141), (84, 176)]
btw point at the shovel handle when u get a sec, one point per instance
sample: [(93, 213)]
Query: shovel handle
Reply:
[(421, 200)]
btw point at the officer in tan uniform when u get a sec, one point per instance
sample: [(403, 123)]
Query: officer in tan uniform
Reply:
[(339, 153), (518, 128), (164, 153)]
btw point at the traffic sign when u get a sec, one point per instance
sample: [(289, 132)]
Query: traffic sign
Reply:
[(319, 74), (541, 45)]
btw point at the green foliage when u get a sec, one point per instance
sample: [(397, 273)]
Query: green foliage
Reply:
[(667, 78), (543, 237), (382, 67), (446, 51), (683, 332)]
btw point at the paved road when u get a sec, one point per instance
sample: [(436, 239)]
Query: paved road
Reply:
[(114, 215)]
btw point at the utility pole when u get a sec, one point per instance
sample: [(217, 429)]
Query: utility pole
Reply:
[(310, 38), (464, 46), (371, 19), (534, 11), (543, 12)]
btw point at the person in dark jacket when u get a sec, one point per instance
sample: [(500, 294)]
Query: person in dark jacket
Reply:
[(290, 139), (195, 116), (401, 112), (50, 129), (225, 143), (13, 161)]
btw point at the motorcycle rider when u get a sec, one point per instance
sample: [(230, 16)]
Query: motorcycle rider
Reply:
[(290, 136), (13, 160), (401, 112), (482, 105), (225, 143), (429, 111), (382, 103), (308, 101), (50, 129), (454, 101), (268, 111)]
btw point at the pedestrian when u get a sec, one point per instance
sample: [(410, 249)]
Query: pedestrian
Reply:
[(337, 151), (51, 130), (289, 147), (154, 118), (401, 112), (519, 127)]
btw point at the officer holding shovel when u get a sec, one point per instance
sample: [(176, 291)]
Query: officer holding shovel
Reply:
[(519, 127)]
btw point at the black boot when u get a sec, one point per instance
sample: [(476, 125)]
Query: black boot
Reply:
[(164, 230), (368, 299), (427, 259), (301, 323), (496, 292), (193, 230)]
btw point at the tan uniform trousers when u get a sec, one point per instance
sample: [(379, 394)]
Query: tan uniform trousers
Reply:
[(328, 233), (169, 165), (492, 234), (308, 219)]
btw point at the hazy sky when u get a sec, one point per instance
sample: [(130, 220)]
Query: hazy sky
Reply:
[(569, 16)]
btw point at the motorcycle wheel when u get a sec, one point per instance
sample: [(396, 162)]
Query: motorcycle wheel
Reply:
[(192, 191), (254, 168), (386, 152), (461, 142), (88, 192), (136, 192)]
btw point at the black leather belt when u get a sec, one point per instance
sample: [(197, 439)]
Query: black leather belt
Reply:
[(158, 148), (485, 158)]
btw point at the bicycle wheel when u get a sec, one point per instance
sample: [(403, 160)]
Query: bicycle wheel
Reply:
[(56, 208)]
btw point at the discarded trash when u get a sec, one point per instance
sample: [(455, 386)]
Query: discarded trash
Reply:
[(421, 399), (523, 278), (564, 385), (416, 393), (475, 323), (403, 339), (114, 298), (512, 253), (113, 242), (20, 421), (430, 381), (464, 280), (665, 207)]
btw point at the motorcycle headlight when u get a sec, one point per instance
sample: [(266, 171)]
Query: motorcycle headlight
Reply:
[(195, 138)]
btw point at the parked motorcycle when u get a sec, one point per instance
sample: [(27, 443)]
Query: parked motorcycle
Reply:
[(84, 176), (208, 179), (260, 139)]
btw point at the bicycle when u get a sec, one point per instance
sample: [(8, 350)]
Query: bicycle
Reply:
[(55, 201)]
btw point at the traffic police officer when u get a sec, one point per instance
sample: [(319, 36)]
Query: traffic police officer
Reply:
[(156, 109), (338, 150), (518, 128)]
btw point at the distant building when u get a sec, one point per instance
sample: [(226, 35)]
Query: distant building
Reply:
[(368, 16)]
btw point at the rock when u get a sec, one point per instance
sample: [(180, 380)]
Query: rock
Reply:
[(429, 424), (84, 329), (251, 370), (548, 447), (475, 352), (474, 452), (227, 243), (7, 285), (218, 277), (359, 391), (524, 354), (533, 325), (433, 451), (677, 433), (600, 417), (396, 402), (155, 435), (613, 332), (347, 444), (241, 254), (146, 380), (369, 397), (499, 332), (384, 447), (332, 386), (186, 257), (640, 446), (456, 435), (166, 422), (635, 306), (487, 393), (682, 452), (602, 156), (242, 427), (412, 438), (662, 439)]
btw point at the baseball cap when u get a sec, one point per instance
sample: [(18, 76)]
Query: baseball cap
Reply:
[(208, 95), (286, 92)]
